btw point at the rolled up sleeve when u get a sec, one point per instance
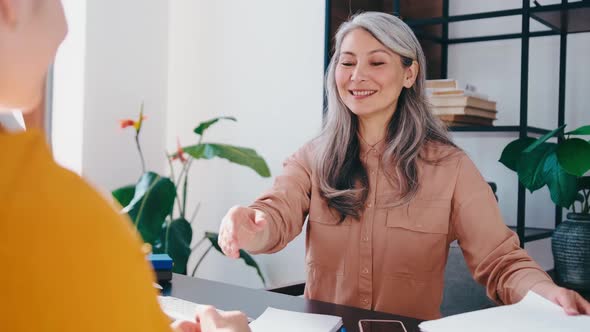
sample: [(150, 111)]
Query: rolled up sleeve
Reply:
[(491, 249), (286, 204)]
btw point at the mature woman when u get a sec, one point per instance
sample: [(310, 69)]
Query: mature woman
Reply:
[(70, 262), (386, 192)]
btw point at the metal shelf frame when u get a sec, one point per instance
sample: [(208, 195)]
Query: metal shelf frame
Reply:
[(555, 17)]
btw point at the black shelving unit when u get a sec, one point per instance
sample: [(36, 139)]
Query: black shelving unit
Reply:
[(506, 129), (561, 19)]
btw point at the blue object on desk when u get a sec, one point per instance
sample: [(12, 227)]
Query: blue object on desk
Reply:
[(160, 261)]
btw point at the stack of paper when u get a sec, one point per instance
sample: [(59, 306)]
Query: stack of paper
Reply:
[(533, 313), (290, 321)]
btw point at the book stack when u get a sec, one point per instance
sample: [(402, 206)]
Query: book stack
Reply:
[(162, 264), (460, 107)]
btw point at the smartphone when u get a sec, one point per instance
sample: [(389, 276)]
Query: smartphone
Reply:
[(381, 325)]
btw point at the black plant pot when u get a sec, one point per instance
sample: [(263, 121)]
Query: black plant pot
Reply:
[(571, 251)]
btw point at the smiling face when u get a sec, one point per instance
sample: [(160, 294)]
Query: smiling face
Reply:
[(369, 76)]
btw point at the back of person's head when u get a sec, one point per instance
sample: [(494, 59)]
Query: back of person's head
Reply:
[(30, 32), (410, 128)]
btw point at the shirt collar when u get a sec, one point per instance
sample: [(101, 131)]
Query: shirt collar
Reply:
[(11, 122)]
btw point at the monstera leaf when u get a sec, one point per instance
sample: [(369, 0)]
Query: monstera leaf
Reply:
[(531, 164), (151, 204), (584, 130), (560, 165), (213, 238), (562, 185), (511, 153), (574, 156)]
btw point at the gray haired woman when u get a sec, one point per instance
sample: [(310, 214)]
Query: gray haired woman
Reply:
[(386, 191)]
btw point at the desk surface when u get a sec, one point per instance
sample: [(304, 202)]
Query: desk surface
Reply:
[(253, 302)]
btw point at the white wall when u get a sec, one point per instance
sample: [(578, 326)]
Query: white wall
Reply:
[(68, 89), (126, 64), (113, 59), (262, 62), (494, 67)]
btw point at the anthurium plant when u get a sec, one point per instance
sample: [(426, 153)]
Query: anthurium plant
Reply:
[(559, 165), (150, 202)]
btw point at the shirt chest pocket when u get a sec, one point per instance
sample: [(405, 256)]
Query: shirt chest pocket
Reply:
[(416, 235), (327, 239)]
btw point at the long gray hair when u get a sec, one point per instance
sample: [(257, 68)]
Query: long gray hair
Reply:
[(342, 179)]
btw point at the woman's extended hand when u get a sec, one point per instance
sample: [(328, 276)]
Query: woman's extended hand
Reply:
[(571, 302), (241, 228)]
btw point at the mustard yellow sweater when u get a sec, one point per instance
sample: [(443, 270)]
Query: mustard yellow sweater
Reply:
[(68, 260)]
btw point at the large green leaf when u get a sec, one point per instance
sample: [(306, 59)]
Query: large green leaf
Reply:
[(151, 204), (544, 138), (531, 166), (177, 243), (562, 185), (235, 154), (574, 156), (511, 153), (124, 195), (206, 124), (584, 130), (213, 238)]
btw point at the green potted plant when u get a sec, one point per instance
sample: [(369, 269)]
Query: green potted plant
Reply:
[(561, 167), (150, 202)]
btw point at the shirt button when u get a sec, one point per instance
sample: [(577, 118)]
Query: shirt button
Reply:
[(372, 172), (365, 301), (365, 270), (365, 238), (370, 205)]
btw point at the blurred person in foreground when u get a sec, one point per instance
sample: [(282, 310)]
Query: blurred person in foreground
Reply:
[(70, 262)]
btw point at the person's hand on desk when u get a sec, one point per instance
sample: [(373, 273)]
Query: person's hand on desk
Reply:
[(242, 228), (208, 319), (571, 302)]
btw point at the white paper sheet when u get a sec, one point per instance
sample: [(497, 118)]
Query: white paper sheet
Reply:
[(273, 320), (532, 313)]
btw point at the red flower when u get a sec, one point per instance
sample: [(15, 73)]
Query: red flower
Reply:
[(126, 123), (133, 123), (137, 126), (179, 152)]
